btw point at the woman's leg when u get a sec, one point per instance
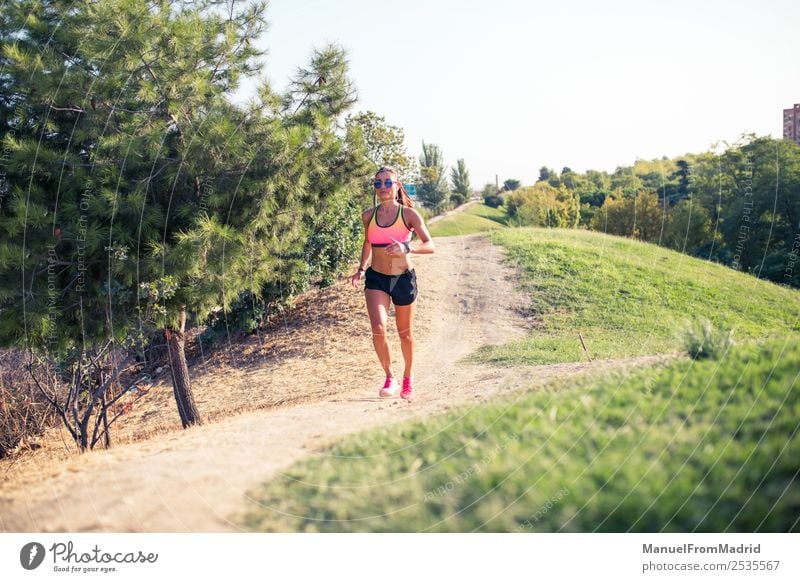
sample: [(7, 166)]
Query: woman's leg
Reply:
[(378, 308), (405, 320)]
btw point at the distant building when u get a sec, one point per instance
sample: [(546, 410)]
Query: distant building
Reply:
[(791, 123)]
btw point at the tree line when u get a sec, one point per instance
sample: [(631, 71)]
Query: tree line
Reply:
[(739, 206)]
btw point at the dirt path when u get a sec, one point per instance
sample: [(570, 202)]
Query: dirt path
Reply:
[(195, 480), (456, 210)]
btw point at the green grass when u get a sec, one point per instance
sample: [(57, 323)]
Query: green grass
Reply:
[(690, 446), (474, 219), (628, 298)]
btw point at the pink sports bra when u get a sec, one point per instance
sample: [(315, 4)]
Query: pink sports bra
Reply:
[(381, 236)]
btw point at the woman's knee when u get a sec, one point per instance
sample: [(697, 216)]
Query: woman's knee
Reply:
[(379, 329), (405, 335)]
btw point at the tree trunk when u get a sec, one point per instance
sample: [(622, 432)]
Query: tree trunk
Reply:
[(182, 387), (106, 433)]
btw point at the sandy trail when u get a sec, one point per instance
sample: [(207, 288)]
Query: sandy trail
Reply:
[(196, 480)]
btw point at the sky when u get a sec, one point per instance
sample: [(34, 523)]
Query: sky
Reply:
[(510, 86)]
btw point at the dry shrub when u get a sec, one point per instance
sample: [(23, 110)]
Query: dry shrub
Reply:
[(24, 412)]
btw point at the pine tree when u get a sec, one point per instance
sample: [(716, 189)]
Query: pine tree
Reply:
[(336, 168), (385, 144), (432, 191), (459, 176), (135, 197)]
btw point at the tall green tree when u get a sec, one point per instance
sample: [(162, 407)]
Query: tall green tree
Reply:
[(688, 227), (545, 174), (574, 181), (676, 187), (385, 144), (138, 198), (335, 167), (459, 177), (760, 215), (625, 181), (433, 191), (489, 189), (599, 181)]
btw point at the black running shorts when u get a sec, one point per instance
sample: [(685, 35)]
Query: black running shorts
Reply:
[(402, 288)]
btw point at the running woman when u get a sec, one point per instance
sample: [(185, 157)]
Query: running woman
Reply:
[(388, 228)]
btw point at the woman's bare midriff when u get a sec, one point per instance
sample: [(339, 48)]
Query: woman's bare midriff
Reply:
[(383, 262)]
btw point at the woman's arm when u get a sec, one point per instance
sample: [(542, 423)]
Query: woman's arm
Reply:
[(366, 252), (427, 247)]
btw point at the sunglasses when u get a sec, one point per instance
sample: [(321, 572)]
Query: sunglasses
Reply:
[(386, 183)]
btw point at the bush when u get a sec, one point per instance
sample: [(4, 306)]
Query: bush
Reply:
[(249, 313), (544, 205), (334, 241), (702, 341), (639, 216), (688, 226), (493, 201), (24, 412)]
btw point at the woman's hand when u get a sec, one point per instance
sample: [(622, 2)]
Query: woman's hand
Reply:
[(356, 278), (397, 248)]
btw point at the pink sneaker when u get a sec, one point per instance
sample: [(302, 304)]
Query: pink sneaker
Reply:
[(389, 389), (407, 389)]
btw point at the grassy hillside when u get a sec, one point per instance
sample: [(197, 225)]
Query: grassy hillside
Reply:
[(629, 298), (475, 218), (691, 446), (624, 297)]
